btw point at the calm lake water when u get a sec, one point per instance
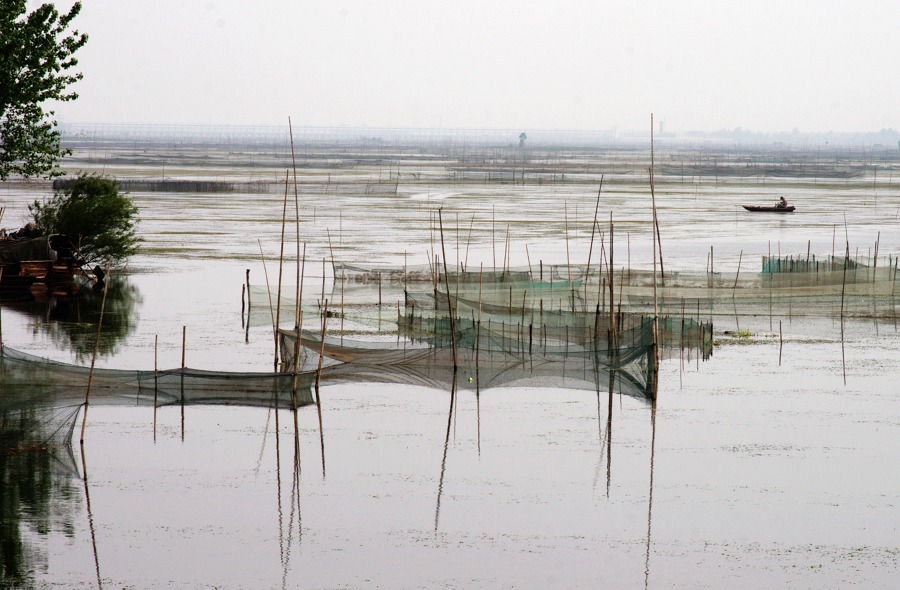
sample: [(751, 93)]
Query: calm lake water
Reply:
[(759, 467)]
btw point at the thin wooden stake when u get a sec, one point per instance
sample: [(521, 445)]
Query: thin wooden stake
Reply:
[(87, 394), (780, 342), (843, 287)]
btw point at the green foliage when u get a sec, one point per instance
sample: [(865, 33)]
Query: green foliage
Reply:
[(35, 58), (98, 219)]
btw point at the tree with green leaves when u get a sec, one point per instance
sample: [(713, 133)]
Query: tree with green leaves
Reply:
[(36, 61), (95, 215)]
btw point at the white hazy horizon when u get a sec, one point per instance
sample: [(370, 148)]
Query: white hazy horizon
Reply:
[(701, 65)]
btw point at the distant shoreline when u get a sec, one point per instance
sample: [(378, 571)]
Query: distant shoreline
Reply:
[(887, 139)]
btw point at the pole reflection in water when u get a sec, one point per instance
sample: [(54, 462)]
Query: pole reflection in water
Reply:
[(183, 352), (437, 510), (321, 430), (87, 498), (87, 395), (612, 383), (650, 494), (155, 381), (295, 507), (278, 487), (478, 408)]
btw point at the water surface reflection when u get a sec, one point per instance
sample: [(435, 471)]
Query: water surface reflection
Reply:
[(71, 323)]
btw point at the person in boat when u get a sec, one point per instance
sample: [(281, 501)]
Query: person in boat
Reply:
[(99, 275), (782, 203)]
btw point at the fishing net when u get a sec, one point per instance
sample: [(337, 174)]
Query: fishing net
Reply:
[(28, 381), (502, 347), (826, 286), (40, 398), (480, 364), (501, 326)]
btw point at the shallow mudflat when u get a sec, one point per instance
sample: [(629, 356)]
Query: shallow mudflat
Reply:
[(767, 465)]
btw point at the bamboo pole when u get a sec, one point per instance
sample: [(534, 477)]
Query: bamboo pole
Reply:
[(655, 360), (480, 285), (653, 197), (342, 305), (298, 289), (833, 237), (613, 336), (298, 326), (628, 245), (568, 260), (322, 343), (494, 236), (331, 252), (322, 300), (875, 261), (593, 231), (530, 272), (843, 288), (468, 241), (506, 254), (280, 267), (457, 242), (268, 291), (447, 285), (681, 339), (294, 165)]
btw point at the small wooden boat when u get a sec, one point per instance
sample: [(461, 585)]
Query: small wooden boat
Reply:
[(769, 209), (43, 265)]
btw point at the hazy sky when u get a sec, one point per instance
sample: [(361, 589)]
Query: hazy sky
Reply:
[(824, 65)]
